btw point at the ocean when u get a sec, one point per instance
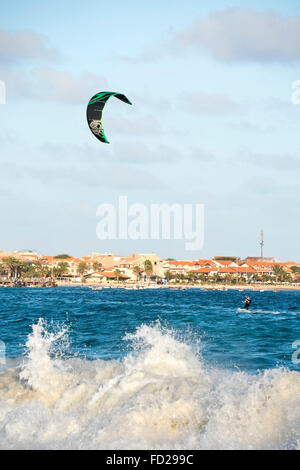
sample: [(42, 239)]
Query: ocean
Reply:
[(149, 369)]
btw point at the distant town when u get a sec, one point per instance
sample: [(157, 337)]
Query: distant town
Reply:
[(27, 268)]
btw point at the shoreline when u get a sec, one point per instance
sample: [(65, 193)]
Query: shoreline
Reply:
[(173, 286), (219, 287)]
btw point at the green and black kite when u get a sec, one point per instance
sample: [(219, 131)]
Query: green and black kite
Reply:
[(95, 110)]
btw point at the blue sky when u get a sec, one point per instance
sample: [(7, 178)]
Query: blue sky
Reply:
[(212, 122)]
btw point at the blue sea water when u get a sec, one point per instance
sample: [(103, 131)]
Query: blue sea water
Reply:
[(153, 368), (98, 320)]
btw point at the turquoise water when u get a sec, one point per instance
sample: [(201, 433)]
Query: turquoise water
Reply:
[(161, 368)]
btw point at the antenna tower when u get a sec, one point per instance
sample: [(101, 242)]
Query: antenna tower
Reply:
[(261, 243)]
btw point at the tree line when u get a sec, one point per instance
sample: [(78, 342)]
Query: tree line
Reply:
[(16, 269)]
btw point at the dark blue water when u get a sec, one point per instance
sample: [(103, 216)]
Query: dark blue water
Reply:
[(98, 320)]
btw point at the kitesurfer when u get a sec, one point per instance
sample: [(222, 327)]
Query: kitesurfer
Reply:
[(247, 303)]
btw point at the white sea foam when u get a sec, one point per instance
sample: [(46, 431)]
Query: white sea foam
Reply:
[(160, 396), (244, 310)]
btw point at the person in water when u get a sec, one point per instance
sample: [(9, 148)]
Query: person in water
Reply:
[(247, 303)]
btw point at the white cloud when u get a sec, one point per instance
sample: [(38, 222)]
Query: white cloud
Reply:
[(242, 34), (86, 166), (62, 86), (208, 104), (50, 84), (271, 161), (74, 175), (18, 84), (25, 45), (144, 125), (41, 82), (233, 35), (201, 155), (140, 154)]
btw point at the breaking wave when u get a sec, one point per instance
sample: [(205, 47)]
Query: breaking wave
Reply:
[(161, 395)]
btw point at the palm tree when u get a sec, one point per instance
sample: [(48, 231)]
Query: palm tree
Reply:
[(216, 277), (148, 268), (30, 270), (45, 271), (20, 268), (118, 273), (35, 269), (13, 267), (295, 269), (82, 268), (96, 266), (137, 272), (192, 277), (286, 277), (63, 268), (278, 272), (168, 275), (265, 278)]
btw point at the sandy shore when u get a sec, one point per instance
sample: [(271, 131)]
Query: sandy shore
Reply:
[(224, 287)]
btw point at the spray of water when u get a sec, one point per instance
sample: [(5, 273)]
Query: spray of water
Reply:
[(160, 396)]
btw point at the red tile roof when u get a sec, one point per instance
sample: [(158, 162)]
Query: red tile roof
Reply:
[(205, 270), (226, 270), (245, 270), (224, 262), (182, 263)]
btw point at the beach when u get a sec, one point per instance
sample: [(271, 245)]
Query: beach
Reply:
[(208, 286)]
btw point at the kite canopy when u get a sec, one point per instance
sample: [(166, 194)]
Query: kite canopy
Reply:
[(95, 109)]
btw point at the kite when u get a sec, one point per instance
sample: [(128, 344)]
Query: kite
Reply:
[(95, 110)]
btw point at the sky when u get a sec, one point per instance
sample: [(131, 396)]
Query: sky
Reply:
[(212, 122)]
